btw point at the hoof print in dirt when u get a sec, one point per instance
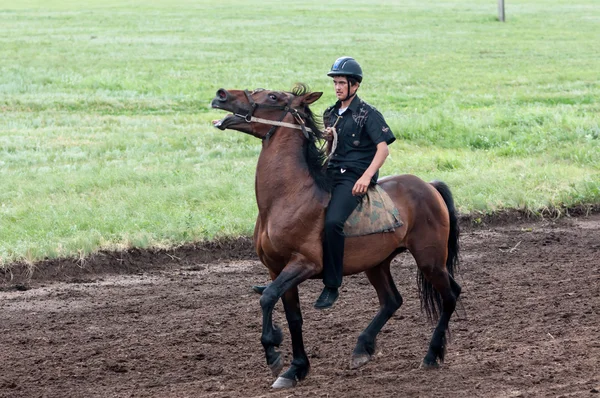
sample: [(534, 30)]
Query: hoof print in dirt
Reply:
[(214, 370), (117, 368), (14, 288)]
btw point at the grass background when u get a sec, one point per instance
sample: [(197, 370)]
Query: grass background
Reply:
[(105, 134)]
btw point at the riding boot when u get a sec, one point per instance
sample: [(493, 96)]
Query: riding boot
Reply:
[(327, 297)]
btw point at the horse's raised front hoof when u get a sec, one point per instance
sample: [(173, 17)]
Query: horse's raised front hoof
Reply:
[(258, 289), (359, 360), (282, 382), (276, 366)]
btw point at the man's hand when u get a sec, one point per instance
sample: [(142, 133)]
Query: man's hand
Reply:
[(361, 186), (328, 134), (363, 182)]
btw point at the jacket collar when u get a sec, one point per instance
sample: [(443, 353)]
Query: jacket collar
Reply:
[(353, 105)]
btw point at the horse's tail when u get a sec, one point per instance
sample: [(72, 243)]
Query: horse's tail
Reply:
[(431, 300), (453, 243)]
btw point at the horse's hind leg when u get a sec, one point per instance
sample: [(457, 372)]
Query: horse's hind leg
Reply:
[(389, 301), (438, 278)]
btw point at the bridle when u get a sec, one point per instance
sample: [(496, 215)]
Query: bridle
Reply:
[(298, 116)]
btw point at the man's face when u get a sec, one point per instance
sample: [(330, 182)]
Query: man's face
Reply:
[(340, 84)]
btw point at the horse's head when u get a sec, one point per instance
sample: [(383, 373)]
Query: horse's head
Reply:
[(251, 111)]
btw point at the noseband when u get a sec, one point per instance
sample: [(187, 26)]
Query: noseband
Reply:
[(248, 117)]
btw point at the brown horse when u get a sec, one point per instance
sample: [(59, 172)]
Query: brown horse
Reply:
[(292, 195)]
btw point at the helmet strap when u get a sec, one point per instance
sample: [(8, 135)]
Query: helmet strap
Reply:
[(348, 96)]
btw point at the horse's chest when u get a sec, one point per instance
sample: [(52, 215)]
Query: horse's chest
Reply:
[(277, 242), (272, 251), (276, 238)]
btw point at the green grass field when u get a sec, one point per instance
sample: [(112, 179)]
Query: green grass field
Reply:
[(105, 134)]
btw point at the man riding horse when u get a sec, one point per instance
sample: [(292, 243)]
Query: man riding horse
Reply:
[(363, 137), (294, 214)]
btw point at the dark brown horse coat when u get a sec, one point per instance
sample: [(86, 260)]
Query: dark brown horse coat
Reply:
[(292, 197)]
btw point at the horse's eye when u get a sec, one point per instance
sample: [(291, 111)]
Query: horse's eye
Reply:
[(273, 97)]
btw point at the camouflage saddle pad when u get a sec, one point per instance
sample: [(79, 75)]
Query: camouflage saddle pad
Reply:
[(376, 213)]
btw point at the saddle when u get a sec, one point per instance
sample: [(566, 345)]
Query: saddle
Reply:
[(376, 213)]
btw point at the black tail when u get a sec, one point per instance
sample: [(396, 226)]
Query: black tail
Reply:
[(431, 300), (453, 244)]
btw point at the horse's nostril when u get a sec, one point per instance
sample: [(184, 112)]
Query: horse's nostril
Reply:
[(222, 94)]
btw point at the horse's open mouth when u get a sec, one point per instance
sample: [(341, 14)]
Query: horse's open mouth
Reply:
[(227, 121)]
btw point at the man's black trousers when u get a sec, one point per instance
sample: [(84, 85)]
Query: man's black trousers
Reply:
[(340, 207)]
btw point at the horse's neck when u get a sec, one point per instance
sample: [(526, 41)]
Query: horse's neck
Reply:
[(283, 179)]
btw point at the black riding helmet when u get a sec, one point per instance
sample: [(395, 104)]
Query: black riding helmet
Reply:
[(346, 66)]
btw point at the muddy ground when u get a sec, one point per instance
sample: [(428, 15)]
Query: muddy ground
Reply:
[(184, 323)]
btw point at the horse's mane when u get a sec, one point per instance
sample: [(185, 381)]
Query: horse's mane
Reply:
[(313, 152)]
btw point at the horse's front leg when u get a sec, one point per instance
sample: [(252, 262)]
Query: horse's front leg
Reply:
[(300, 366), (297, 271)]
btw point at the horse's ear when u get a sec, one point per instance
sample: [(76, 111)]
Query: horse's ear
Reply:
[(311, 97)]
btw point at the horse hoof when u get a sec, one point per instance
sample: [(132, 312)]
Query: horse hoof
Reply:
[(359, 361), (282, 382), (427, 365), (276, 366), (258, 289)]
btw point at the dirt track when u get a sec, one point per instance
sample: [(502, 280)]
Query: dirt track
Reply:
[(176, 326)]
